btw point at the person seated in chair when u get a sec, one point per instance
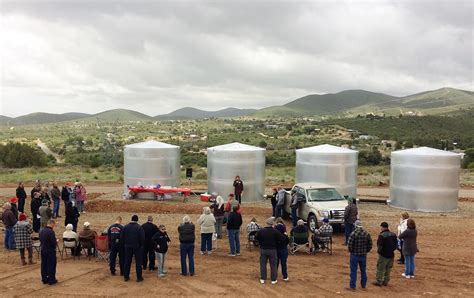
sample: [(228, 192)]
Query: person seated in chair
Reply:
[(70, 234), (322, 235), (299, 229), (252, 229), (87, 238)]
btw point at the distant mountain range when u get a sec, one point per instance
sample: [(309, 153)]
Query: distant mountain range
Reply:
[(346, 103)]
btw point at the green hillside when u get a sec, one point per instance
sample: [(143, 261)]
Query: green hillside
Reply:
[(41, 118), (119, 115), (277, 111)]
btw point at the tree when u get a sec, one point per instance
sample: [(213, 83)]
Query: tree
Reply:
[(262, 144)]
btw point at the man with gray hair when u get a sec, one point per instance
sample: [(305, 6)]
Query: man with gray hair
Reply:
[(280, 201), (268, 239), (149, 250), (186, 245), (9, 221)]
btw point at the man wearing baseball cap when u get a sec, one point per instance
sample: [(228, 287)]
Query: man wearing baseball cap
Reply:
[(359, 245)]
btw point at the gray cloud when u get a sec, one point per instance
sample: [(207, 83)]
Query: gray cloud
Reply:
[(155, 57)]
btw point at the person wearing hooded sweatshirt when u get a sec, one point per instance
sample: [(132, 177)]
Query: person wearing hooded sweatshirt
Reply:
[(218, 209), (45, 212), (23, 231), (359, 244), (186, 245), (386, 245), (114, 234), (133, 239), (9, 220), (161, 240), (35, 205), (207, 223), (69, 233), (21, 196)]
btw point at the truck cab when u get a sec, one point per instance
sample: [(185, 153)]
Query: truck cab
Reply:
[(317, 201)]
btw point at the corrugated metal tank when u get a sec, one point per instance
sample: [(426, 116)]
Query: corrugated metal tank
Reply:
[(328, 164), (424, 179), (227, 161), (150, 163)]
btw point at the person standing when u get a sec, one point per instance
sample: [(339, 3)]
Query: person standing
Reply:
[(282, 251), (410, 248), (14, 207), (350, 217), (148, 249), (218, 209), (65, 194), (81, 197), (231, 203), (234, 222), (404, 216), (48, 253), (36, 188), (280, 201), (207, 223), (133, 239), (56, 196), (35, 205), (72, 215), (386, 245), (294, 208), (21, 196), (45, 213), (22, 231), (186, 245), (238, 189), (359, 245), (161, 241), (274, 201), (9, 221), (268, 239), (114, 235)]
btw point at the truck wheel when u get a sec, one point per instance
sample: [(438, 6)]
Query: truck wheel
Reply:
[(312, 222), (285, 215)]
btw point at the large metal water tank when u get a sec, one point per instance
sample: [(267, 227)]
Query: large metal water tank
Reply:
[(227, 161), (150, 163), (328, 164), (424, 179)]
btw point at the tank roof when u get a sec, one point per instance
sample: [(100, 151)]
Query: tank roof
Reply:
[(151, 144), (425, 151), (326, 148), (236, 147)]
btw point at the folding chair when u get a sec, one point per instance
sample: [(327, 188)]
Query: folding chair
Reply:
[(251, 240), (86, 244), (36, 245), (102, 248), (72, 244), (300, 241), (324, 239)]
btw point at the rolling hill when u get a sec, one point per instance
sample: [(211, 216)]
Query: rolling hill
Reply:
[(193, 113), (119, 115), (41, 118)]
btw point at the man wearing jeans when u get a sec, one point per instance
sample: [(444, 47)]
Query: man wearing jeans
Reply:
[(269, 239), (234, 221), (280, 201), (359, 244), (350, 216), (114, 234), (9, 221)]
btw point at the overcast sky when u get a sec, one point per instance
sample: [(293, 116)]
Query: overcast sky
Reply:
[(155, 56)]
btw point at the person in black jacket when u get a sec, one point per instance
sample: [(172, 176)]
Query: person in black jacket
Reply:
[(36, 188), (149, 250), (48, 253), (269, 240), (21, 196), (238, 189), (65, 192), (14, 209), (35, 205), (274, 201), (282, 251), (114, 234), (133, 239), (72, 215), (160, 240), (234, 221), (386, 245), (186, 245)]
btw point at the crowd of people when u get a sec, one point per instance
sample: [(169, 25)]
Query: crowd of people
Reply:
[(147, 244)]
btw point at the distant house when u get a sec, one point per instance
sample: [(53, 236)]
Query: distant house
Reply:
[(366, 137)]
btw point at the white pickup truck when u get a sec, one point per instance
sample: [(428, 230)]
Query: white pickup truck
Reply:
[(317, 201)]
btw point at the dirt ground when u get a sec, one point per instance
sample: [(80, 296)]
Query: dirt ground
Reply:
[(445, 264)]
